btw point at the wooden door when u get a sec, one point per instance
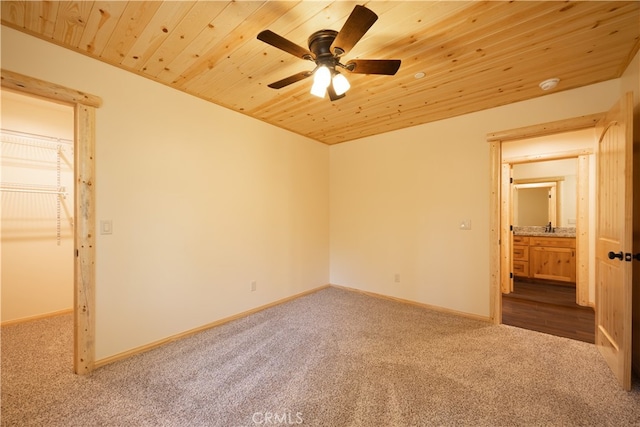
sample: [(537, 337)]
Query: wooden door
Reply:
[(614, 239)]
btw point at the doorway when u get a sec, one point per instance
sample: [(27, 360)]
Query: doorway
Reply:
[(613, 243), (37, 208), (84, 106), (508, 145), (542, 295)]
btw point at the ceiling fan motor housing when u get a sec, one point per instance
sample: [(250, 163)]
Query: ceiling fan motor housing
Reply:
[(320, 44)]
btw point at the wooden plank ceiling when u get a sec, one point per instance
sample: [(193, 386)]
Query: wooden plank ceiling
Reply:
[(475, 55)]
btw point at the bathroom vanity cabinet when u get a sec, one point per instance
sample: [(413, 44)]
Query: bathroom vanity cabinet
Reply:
[(521, 256), (545, 257)]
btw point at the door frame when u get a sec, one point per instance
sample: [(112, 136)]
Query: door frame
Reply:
[(84, 106), (498, 244)]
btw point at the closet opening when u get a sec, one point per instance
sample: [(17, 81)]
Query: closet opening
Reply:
[(81, 203), (37, 226)]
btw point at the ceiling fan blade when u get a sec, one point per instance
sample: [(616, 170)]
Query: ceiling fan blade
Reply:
[(281, 43), (373, 66), (358, 23), (333, 96), (291, 79)]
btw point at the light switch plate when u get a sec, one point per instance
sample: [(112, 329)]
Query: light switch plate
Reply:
[(465, 224), (106, 227)]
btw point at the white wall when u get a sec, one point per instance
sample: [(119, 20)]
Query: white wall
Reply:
[(37, 267), (397, 201), (203, 201)]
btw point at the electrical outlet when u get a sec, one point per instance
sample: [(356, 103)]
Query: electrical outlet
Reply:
[(465, 224), (396, 278), (254, 286)]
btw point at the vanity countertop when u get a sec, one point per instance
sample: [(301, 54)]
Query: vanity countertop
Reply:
[(538, 231)]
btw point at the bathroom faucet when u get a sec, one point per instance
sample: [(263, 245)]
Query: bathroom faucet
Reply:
[(548, 228)]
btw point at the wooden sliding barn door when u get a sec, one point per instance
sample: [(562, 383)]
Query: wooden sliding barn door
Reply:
[(614, 234)]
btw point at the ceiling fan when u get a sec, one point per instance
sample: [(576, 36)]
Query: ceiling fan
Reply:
[(326, 48)]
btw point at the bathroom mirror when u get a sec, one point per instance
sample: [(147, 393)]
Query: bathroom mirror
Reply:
[(535, 204), (544, 192)]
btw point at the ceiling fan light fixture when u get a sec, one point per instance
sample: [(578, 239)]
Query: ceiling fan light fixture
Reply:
[(340, 84), (318, 90), (321, 80), (322, 76)]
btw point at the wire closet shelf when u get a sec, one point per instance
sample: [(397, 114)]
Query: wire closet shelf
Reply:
[(59, 146)]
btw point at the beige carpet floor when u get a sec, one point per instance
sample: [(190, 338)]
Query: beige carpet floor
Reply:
[(332, 358)]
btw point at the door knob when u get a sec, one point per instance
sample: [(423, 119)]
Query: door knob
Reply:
[(613, 255)]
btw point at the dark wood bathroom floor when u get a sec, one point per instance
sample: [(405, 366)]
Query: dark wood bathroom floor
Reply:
[(548, 308)]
